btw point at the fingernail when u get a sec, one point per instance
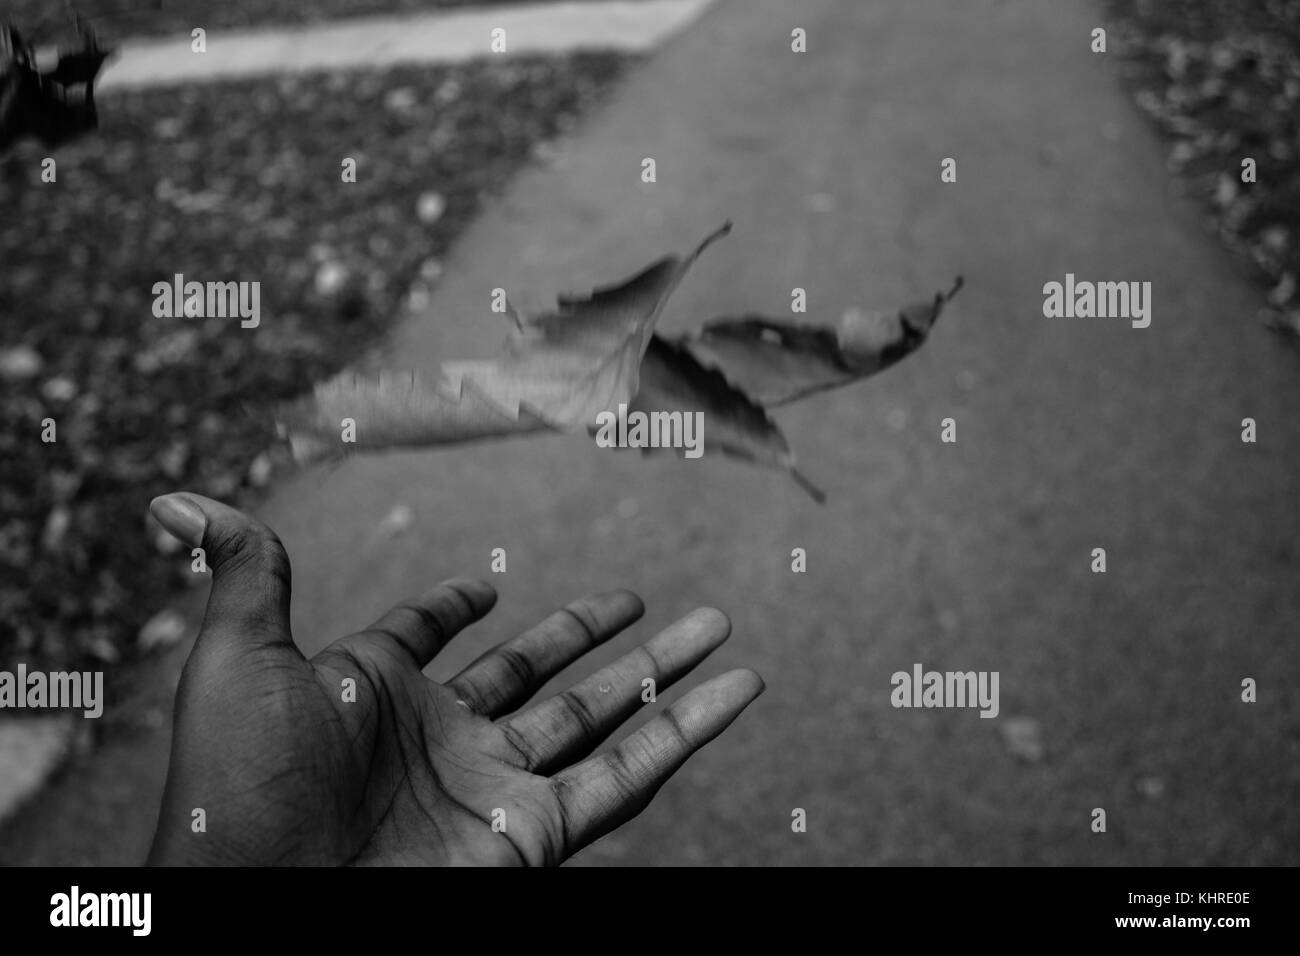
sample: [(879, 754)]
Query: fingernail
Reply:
[(181, 517)]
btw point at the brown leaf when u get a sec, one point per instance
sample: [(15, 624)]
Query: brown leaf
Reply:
[(778, 362)]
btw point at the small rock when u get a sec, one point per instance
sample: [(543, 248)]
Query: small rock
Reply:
[(162, 630), (896, 419), (1023, 738), (627, 508), (20, 363), (430, 207)]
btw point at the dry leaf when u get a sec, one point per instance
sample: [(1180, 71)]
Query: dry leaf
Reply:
[(557, 371), (674, 380), (394, 409), (585, 358), (779, 362), (598, 352)]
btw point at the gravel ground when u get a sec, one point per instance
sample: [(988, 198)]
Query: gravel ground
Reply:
[(236, 182), (1221, 79), (134, 18)]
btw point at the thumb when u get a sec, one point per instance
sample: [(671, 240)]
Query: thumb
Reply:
[(249, 601)]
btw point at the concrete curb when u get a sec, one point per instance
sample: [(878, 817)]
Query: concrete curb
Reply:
[(446, 37)]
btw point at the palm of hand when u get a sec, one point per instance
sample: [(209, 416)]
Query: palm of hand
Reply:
[(303, 768)]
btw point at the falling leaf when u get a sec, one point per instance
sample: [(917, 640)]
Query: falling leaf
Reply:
[(594, 353), (585, 358), (672, 379), (394, 409), (557, 371), (778, 362)]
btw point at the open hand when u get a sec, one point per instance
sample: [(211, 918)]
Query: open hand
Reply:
[(292, 765)]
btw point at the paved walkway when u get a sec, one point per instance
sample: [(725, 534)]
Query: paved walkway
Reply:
[(444, 37), (1072, 434)]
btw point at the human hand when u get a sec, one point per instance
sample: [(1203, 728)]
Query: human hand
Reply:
[(289, 772)]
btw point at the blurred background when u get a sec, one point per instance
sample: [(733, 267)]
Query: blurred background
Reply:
[(522, 170)]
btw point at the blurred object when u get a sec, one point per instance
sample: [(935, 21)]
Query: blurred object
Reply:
[(20, 363), (1221, 79), (1024, 738), (30, 750), (52, 107), (162, 630)]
